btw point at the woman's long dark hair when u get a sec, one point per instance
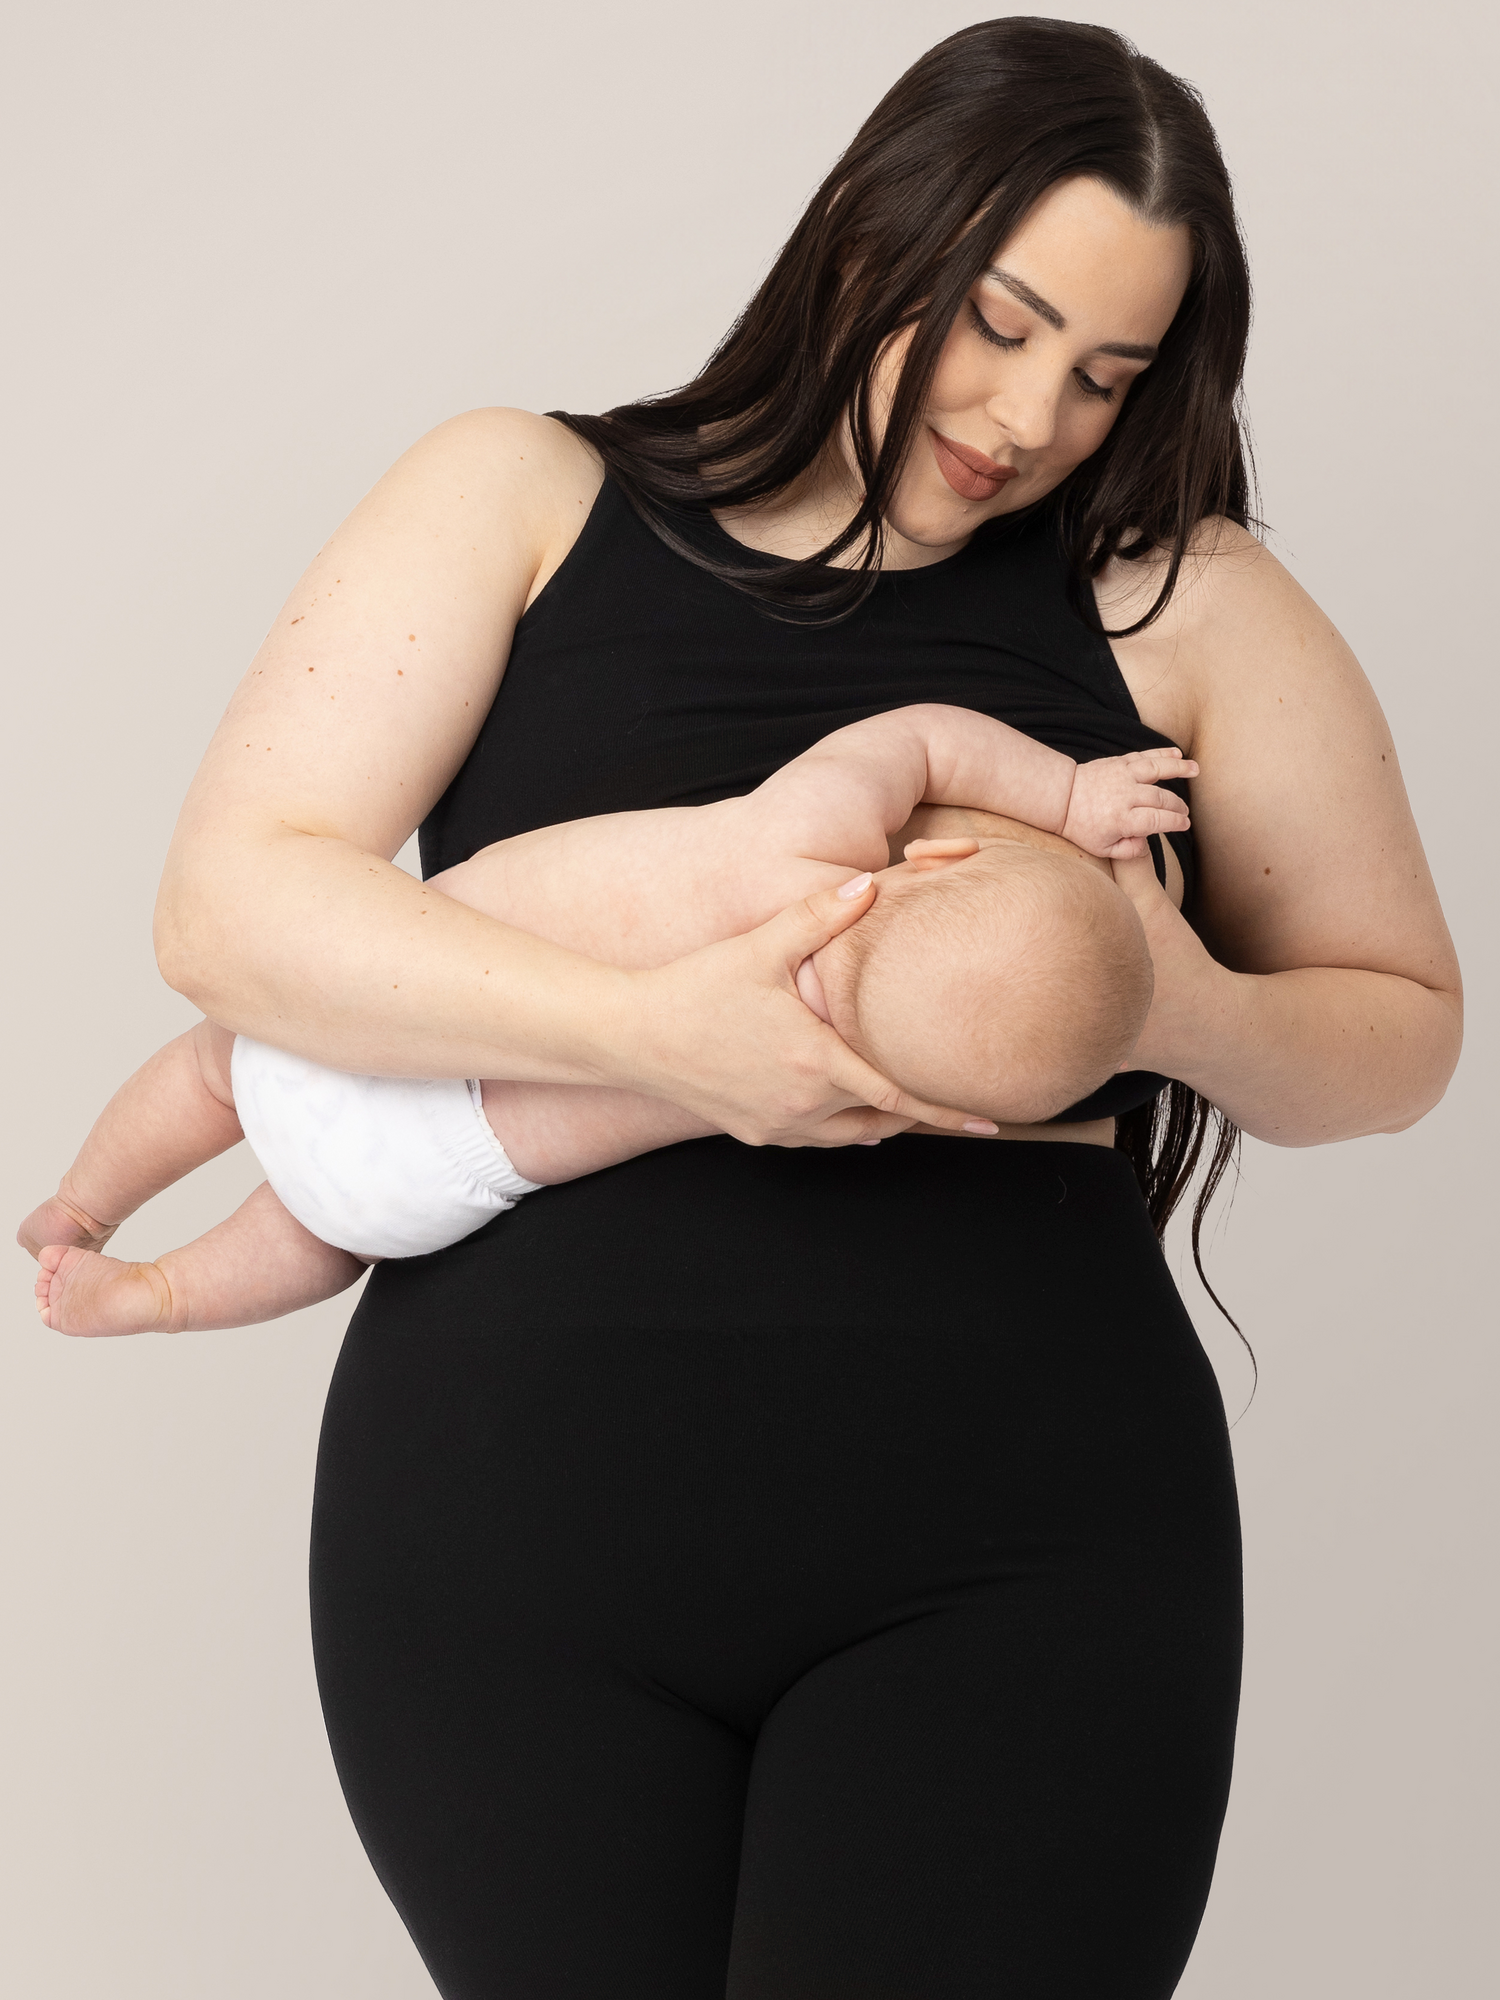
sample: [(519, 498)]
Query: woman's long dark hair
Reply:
[(943, 171)]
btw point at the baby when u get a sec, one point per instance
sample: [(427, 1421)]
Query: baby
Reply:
[(989, 973)]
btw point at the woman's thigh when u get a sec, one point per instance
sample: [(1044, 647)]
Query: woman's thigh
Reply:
[(547, 1826), (1021, 1795)]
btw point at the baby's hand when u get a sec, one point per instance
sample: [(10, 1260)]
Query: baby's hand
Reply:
[(1115, 803)]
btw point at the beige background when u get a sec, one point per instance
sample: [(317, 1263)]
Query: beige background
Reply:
[(255, 251)]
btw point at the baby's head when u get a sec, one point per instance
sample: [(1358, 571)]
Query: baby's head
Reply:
[(1010, 983)]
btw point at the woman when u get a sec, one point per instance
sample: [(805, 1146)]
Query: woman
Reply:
[(799, 1568)]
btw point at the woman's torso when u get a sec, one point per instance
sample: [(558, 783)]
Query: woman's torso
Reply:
[(637, 679)]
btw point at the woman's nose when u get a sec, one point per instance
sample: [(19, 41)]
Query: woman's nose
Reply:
[(1026, 407)]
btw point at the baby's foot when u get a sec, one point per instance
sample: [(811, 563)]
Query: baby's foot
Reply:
[(59, 1220), (78, 1291)]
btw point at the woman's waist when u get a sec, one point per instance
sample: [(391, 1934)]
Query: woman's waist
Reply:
[(716, 1234)]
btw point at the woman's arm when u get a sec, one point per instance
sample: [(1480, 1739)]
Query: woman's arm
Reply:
[(280, 912), (282, 916), (1324, 1000)]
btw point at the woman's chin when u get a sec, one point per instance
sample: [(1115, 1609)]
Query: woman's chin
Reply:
[(937, 523), (934, 529)]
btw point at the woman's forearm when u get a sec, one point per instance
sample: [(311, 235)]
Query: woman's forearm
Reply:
[(1303, 1057), (312, 945), (1296, 1057), (306, 942)]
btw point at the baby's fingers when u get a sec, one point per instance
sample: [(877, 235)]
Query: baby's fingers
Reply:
[(1149, 800), (1145, 820), (1165, 762)]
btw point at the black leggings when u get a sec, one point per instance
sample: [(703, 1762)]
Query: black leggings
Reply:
[(787, 1576)]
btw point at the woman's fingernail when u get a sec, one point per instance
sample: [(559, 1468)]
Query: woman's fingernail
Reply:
[(867, 1142), (984, 1128), (855, 888)]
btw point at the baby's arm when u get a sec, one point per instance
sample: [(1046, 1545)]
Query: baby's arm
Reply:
[(644, 888), (174, 1114), (860, 785)]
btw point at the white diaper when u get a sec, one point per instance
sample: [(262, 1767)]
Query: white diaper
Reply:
[(385, 1166)]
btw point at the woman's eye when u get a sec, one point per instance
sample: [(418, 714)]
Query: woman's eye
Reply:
[(1095, 390), (986, 332)]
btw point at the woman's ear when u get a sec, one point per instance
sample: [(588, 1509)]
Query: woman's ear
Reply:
[(927, 855)]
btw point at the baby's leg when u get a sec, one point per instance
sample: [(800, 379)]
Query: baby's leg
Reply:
[(258, 1265), (174, 1114), (556, 1132)]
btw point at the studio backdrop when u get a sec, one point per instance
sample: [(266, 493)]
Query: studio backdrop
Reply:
[(251, 254)]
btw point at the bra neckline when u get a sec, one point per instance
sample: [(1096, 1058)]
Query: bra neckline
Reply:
[(988, 532)]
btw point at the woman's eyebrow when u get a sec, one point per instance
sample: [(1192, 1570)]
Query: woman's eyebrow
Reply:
[(1019, 289), (1124, 350)]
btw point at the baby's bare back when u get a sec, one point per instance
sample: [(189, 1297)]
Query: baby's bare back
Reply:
[(641, 889)]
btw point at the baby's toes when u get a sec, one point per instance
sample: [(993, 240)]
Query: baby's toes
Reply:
[(48, 1258), (80, 1292)]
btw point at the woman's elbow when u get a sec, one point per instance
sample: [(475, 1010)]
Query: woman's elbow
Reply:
[(175, 960), (181, 935), (1443, 1040)]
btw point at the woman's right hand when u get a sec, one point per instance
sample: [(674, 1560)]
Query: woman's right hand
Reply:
[(724, 1033)]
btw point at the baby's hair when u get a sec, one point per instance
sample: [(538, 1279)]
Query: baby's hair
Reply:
[(1021, 975)]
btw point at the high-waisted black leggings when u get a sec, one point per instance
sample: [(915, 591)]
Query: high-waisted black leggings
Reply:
[(788, 1576)]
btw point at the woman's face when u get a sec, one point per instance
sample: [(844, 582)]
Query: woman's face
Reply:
[(1069, 311)]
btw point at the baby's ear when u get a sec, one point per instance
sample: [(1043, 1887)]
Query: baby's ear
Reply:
[(929, 854)]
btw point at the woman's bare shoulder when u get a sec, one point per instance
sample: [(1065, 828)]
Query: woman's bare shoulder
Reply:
[(530, 470), (502, 440), (1222, 558), (1234, 608), (388, 653)]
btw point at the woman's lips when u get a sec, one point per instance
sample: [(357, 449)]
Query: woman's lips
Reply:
[(973, 475)]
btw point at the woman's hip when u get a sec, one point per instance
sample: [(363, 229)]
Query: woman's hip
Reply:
[(1013, 1400)]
